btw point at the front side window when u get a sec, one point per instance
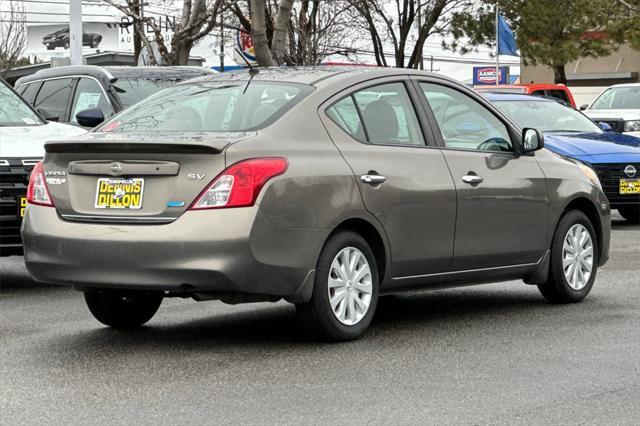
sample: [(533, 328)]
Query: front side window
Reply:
[(465, 123), (89, 94), (14, 111), (53, 97), (380, 115), (210, 107)]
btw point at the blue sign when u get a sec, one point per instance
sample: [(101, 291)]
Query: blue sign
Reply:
[(486, 75)]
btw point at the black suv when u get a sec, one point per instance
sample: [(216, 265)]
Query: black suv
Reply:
[(61, 39), (59, 94)]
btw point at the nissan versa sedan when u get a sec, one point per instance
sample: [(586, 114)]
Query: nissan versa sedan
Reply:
[(615, 157), (325, 187)]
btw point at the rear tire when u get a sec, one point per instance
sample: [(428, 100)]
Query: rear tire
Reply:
[(120, 309), (343, 301), (630, 213), (575, 233)]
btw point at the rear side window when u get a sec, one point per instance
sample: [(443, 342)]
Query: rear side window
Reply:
[(29, 92), (558, 94), (53, 97), (345, 114), (381, 115), (210, 107)]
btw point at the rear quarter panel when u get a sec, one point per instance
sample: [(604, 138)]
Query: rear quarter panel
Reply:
[(316, 193)]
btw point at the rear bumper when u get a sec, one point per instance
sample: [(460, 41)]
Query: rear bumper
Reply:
[(201, 252)]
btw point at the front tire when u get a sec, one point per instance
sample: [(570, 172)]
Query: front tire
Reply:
[(120, 309), (345, 291), (631, 214), (574, 260)]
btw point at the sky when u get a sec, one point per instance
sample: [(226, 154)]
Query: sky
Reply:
[(46, 16)]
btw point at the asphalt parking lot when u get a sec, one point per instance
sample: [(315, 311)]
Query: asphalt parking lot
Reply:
[(481, 355)]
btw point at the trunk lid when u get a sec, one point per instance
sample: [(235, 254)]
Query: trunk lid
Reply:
[(133, 178)]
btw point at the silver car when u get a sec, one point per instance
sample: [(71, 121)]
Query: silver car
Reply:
[(325, 187)]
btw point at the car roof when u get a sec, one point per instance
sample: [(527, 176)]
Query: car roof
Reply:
[(109, 72), (626, 85), (314, 75), (515, 97), (523, 86)]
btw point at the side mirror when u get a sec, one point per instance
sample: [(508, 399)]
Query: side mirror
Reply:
[(532, 139), (90, 117), (583, 107), (605, 126), (49, 115)]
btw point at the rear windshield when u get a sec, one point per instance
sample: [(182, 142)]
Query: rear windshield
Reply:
[(210, 107), (14, 111), (132, 90)]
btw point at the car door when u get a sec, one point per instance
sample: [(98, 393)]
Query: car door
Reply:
[(502, 195), (402, 176)]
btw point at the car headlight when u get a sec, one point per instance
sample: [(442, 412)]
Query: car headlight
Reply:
[(589, 173), (632, 126)]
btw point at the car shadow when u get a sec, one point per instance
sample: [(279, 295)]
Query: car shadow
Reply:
[(269, 328)]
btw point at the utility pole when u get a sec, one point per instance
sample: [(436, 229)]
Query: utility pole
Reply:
[(75, 32), (420, 29)]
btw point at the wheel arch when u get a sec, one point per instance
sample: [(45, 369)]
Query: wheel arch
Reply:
[(586, 206), (373, 236)]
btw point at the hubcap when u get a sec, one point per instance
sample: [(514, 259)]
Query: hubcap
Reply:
[(577, 257), (350, 286)]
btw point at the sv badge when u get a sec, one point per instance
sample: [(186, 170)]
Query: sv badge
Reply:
[(196, 176)]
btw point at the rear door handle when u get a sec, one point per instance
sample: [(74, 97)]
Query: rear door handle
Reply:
[(373, 179), (472, 179)]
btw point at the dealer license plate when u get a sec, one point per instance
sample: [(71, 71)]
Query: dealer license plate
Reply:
[(119, 193), (22, 205), (629, 186)]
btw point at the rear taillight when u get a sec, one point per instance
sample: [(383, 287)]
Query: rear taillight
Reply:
[(37, 192), (240, 184)]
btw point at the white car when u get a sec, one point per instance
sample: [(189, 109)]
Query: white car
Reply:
[(23, 133), (619, 107)]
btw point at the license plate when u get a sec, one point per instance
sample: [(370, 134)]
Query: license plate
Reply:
[(22, 205), (629, 186), (119, 193)]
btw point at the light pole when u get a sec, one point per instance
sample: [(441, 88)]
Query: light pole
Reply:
[(75, 32)]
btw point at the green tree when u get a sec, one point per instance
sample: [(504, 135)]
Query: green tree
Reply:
[(548, 32)]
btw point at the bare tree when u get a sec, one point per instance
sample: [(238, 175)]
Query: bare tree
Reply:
[(405, 25), (197, 19), (296, 33), (12, 37)]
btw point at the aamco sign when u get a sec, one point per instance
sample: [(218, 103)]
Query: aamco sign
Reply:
[(487, 75), (245, 46)]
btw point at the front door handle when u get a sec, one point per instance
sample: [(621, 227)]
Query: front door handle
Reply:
[(472, 179), (373, 179)]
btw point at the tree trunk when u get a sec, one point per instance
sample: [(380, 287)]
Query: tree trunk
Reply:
[(559, 74), (137, 29), (279, 42), (259, 34)]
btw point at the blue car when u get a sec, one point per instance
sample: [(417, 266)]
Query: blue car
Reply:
[(615, 157)]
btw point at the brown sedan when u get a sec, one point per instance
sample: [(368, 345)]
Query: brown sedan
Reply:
[(326, 187)]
